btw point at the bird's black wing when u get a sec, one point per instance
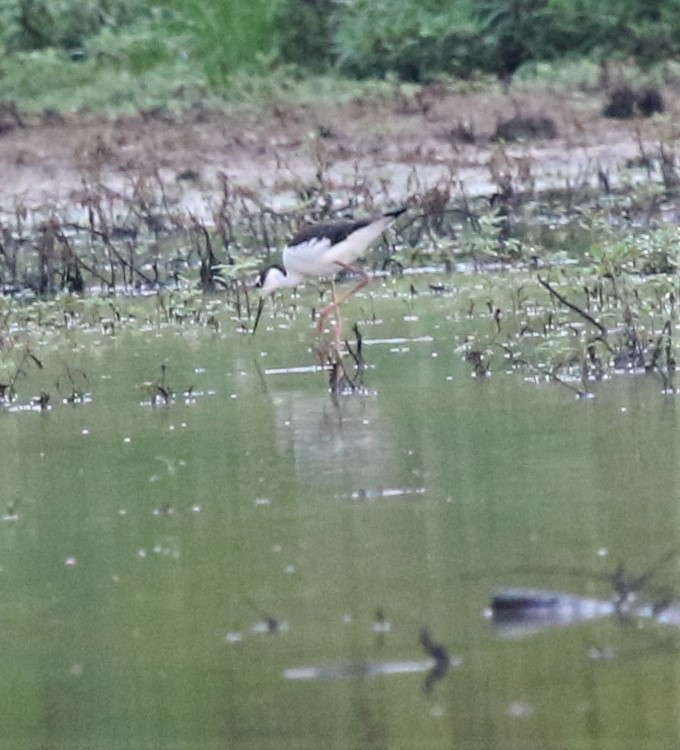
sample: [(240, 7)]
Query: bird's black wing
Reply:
[(334, 231)]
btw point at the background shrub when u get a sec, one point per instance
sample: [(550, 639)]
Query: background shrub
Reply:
[(220, 43)]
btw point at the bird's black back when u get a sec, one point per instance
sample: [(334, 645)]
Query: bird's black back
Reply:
[(335, 231)]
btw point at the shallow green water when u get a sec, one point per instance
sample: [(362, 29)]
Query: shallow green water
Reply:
[(143, 547)]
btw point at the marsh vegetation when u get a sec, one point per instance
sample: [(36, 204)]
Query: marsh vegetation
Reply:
[(212, 538), (569, 276)]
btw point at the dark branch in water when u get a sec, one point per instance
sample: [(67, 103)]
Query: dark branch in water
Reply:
[(666, 336), (357, 354), (564, 301), (339, 381), (480, 368), (438, 654), (515, 360), (105, 237), (656, 353), (8, 390), (626, 586), (580, 393)]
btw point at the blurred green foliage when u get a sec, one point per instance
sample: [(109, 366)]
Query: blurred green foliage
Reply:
[(419, 40), (69, 50)]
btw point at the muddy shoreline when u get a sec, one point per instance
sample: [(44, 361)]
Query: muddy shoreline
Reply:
[(390, 148)]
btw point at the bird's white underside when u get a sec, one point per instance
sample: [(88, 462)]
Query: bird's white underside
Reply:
[(318, 257)]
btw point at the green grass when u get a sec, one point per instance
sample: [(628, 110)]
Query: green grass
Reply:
[(126, 55), (47, 79), (137, 57), (226, 36)]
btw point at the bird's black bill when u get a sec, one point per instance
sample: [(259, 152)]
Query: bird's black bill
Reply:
[(260, 307)]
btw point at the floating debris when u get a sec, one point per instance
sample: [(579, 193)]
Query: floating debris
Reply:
[(399, 340), (269, 626), (381, 625), (518, 612), (435, 667), (357, 670), (299, 370), (520, 710), (79, 399), (378, 493), (601, 653), (11, 514)]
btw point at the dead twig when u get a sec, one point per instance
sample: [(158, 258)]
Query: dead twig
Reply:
[(575, 308)]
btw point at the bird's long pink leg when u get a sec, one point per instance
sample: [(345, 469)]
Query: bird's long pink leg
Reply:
[(326, 311), (335, 304), (338, 320)]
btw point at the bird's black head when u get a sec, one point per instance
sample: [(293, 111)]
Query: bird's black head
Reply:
[(261, 280), (268, 281)]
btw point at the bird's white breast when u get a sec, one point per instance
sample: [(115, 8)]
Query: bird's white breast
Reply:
[(310, 258), (318, 257)]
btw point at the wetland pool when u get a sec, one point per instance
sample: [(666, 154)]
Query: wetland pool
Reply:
[(251, 566)]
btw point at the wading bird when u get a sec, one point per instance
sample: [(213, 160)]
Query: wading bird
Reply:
[(323, 250)]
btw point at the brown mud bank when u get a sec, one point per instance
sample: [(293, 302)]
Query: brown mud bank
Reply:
[(387, 148)]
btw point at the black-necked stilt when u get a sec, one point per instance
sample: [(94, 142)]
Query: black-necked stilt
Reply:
[(323, 250)]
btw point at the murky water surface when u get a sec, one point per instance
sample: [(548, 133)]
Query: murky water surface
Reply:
[(259, 566)]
